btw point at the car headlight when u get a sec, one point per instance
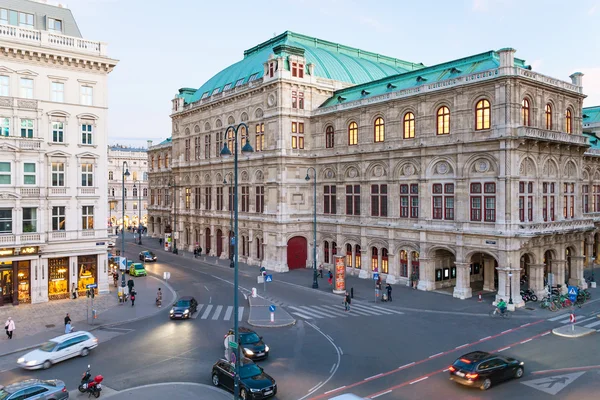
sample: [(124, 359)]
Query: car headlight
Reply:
[(21, 360), (171, 311), (255, 390), (31, 363), (266, 348), (186, 311), (249, 352)]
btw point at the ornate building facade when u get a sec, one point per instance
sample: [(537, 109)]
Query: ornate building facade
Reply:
[(53, 117), (469, 174)]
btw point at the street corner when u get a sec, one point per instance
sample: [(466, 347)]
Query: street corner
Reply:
[(572, 331), (177, 390), (269, 317), (269, 324)]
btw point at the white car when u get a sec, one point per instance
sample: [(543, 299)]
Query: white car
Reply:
[(59, 349), (111, 244)]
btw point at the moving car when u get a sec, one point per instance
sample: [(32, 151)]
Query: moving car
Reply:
[(254, 382), (59, 349), (111, 244), (35, 389), (184, 308), (252, 345), (129, 263), (481, 369), (137, 269), (147, 256)]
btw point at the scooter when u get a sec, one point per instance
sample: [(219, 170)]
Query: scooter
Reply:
[(86, 378), (95, 387)]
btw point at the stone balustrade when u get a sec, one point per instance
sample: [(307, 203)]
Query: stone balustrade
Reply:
[(55, 40)]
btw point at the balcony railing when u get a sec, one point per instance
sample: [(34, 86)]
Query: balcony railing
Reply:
[(17, 239), (557, 226), (551, 136), (58, 191), (47, 39), (87, 191), (30, 192), (22, 143)]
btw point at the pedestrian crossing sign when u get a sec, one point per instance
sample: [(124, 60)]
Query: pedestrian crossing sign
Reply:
[(268, 278), (572, 290)]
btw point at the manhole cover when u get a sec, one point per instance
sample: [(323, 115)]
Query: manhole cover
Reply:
[(50, 326), (529, 308)]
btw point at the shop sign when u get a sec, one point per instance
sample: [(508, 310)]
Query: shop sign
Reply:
[(7, 252), (18, 251)]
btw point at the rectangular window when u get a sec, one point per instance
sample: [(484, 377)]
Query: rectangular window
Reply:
[(5, 220), (208, 198), (197, 197), (58, 92), (260, 137), (26, 20), (26, 88), (475, 208), (58, 174), (207, 147), (414, 200), (87, 217), (300, 100), (58, 218), (586, 198), (58, 132), (245, 198), (3, 16), (294, 69), (352, 199), (55, 25), (297, 135), (27, 128), (260, 199), (218, 144), (5, 126), (29, 219), (443, 206), (294, 99), (197, 147), (404, 201), (186, 154), (548, 201), (86, 134), (329, 199), (5, 173), (87, 175), (29, 174), (4, 85), (188, 198), (379, 200), (220, 198), (87, 95)]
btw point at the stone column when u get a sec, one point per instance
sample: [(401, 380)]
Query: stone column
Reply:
[(558, 270), (394, 269), (502, 292), (488, 275), (536, 280), (462, 290), (576, 277), (426, 274), (365, 264), (589, 250)]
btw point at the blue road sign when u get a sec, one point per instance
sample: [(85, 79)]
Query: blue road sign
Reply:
[(272, 308), (268, 278), (573, 291), (233, 241), (91, 286), (375, 276)]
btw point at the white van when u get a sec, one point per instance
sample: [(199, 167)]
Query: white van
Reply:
[(59, 349)]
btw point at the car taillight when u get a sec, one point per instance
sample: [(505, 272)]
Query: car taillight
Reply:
[(64, 389), (472, 376), (452, 369)]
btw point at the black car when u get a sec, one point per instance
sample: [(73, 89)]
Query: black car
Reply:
[(252, 345), (254, 382), (147, 256), (481, 369), (184, 308)]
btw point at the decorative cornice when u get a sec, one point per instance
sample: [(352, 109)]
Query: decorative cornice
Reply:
[(44, 55)]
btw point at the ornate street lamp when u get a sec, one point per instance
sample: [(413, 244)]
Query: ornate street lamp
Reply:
[(230, 220), (315, 284), (125, 175), (139, 210), (174, 230)]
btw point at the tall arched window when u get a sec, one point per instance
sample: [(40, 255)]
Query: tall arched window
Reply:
[(166, 161), (326, 252), (333, 251), (569, 122), (135, 192), (357, 256), (145, 192), (151, 163), (409, 125), (329, 137), (352, 134), (258, 249), (244, 135), (349, 255), (443, 121), (403, 264), (230, 140), (374, 259), (482, 115), (525, 111), (379, 130), (159, 162), (548, 113), (384, 261)]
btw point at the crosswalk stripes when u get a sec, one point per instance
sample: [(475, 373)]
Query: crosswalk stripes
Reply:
[(217, 312), (579, 320), (338, 311)]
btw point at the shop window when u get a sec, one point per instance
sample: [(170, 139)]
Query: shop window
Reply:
[(87, 267), (58, 278), (24, 282)]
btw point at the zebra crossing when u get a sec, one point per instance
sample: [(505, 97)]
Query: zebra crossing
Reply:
[(337, 311), (590, 321), (213, 312)]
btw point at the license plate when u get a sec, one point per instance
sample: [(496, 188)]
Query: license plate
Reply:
[(260, 354), (461, 374), (268, 392)]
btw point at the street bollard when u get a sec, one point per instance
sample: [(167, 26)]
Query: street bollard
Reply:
[(351, 292), (480, 297)]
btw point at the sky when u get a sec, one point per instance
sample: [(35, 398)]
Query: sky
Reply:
[(165, 45)]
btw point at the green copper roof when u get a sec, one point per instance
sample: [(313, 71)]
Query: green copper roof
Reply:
[(330, 60), (591, 115), (426, 75), (166, 141)]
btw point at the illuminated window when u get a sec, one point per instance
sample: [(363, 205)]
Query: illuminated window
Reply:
[(260, 137), (525, 109), (569, 122), (297, 135), (374, 259), (409, 125), (482, 115), (548, 114), (379, 130), (443, 121), (352, 134), (384, 261)]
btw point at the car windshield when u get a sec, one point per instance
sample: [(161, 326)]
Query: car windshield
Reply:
[(4, 394), (250, 338), (48, 346), (464, 364), (183, 303), (139, 266), (249, 370)]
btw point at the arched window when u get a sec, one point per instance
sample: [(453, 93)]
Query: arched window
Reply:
[(525, 110), (159, 162), (357, 256), (384, 261), (333, 251), (482, 115), (326, 252), (244, 135), (135, 192), (443, 121), (569, 122), (352, 134), (379, 130), (258, 249), (166, 161), (230, 140), (152, 163), (110, 175), (409, 125), (329, 137), (548, 113), (403, 264), (414, 263), (349, 255), (374, 259)]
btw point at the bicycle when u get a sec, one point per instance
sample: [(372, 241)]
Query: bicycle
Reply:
[(497, 313)]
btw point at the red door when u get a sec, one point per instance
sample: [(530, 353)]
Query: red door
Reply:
[(219, 242), (296, 252), (207, 240)]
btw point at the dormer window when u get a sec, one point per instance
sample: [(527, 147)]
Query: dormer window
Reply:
[(421, 79), (253, 77), (365, 93), (391, 86), (297, 70), (215, 91), (227, 87), (205, 95), (55, 25), (239, 82)]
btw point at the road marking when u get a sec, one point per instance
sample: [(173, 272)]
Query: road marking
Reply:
[(485, 338), (329, 337), (388, 310), (372, 377), (217, 313), (228, 313), (332, 367), (446, 370), (556, 318), (337, 311), (240, 313), (206, 288), (210, 300), (592, 324), (435, 355), (302, 315), (547, 333), (315, 312), (245, 296), (584, 320), (315, 387), (406, 365), (464, 345), (553, 384), (341, 352), (565, 369), (506, 331), (506, 348), (525, 341), (418, 380), (303, 311), (367, 309), (381, 394), (524, 325), (207, 311), (335, 390)]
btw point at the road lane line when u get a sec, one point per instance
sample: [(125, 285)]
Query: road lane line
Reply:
[(525, 341), (506, 331), (548, 371), (381, 394), (329, 337), (332, 373), (206, 288), (524, 325), (419, 380), (341, 352), (485, 338), (314, 387), (556, 318), (228, 313), (207, 311), (435, 355), (506, 348), (406, 365), (217, 313), (592, 324), (240, 313), (332, 368), (463, 345), (547, 333), (372, 377), (335, 390)]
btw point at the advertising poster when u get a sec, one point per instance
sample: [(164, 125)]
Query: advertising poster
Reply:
[(340, 275), (168, 243)]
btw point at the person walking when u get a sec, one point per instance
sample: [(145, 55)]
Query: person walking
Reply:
[(159, 298), (414, 280), (74, 291), (388, 288), (133, 293), (330, 278), (9, 326), (347, 301), (67, 319), (321, 270), (130, 285)]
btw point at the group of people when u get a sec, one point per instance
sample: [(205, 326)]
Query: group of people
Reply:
[(197, 251)]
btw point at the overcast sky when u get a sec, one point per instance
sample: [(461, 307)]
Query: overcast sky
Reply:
[(165, 45)]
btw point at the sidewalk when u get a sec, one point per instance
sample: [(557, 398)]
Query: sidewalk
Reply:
[(260, 314), (38, 323), (159, 391)]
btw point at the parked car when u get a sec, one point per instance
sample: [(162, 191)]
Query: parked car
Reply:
[(254, 382), (111, 244), (481, 369), (184, 308), (137, 269), (34, 389), (147, 256), (59, 349), (252, 345)]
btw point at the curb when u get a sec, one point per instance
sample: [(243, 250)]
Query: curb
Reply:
[(110, 324), (260, 324), (207, 387), (566, 331)]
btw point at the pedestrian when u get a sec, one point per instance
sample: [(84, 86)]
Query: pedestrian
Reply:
[(68, 328), (133, 298), (321, 270), (159, 298), (200, 251), (9, 326), (330, 278), (378, 287), (347, 301), (160, 241), (67, 322), (388, 288), (74, 291), (130, 284), (415, 280)]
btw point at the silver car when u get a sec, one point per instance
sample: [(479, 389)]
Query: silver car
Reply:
[(35, 389)]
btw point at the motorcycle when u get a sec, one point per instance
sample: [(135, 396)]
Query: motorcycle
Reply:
[(528, 295), (95, 387), (86, 378)]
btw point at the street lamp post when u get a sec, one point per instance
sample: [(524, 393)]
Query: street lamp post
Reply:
[(510, 287), (592, 279), (315, 284), (175, 251), (230, 220), (139, 210), (247, 148), (125, 175)]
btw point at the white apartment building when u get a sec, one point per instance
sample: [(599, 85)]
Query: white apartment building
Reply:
[(53, 164)]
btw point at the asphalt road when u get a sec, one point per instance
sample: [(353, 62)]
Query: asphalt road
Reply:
[(376, 351)]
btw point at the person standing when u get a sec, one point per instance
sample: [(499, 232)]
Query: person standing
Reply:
[(388, 288), (9, 326), (347, 301), (414, 279), (130, 285), (74, 291), (378, 287), (133, 292), (321, 270), (159, 298), (330, 278)]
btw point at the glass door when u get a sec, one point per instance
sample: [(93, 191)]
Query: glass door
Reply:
[(6, 286)]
